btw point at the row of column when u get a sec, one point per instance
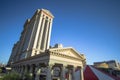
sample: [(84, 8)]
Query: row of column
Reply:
[(43, 31), (51, 72)]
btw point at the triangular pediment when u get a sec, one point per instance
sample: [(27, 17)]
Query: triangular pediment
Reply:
[(67, 51)]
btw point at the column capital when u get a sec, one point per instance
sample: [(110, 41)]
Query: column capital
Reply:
[(64, 65), (81, 67), (51, 64)]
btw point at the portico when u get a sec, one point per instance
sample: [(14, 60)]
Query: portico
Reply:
[(54, 64)]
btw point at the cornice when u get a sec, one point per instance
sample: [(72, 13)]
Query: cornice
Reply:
[(47, 12), (63, 55), (32, 57)]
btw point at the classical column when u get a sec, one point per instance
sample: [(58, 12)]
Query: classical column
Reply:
[(15, 68), (40, 34), (81, 74), (49, 75), (25, 69), (46, 35), (31, 70), (70, 74), (73, 73), (62, 73), (39, 46), (49, 32), (22, 70), (38, 25), (18, 69), (37, 71)]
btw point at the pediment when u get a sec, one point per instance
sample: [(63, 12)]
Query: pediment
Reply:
[(67, 51)]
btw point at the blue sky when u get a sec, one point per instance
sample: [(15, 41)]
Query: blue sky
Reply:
[(91, 27)]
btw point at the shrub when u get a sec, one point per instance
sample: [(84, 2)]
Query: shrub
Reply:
[(16, 76), (11, 76), (28, 76), (0, 70), (1, 78)]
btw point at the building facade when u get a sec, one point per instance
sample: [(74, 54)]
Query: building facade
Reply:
[(32, 54), (108, 64)]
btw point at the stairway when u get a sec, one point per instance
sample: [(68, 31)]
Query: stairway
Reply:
[(89, 74), (93, 73)]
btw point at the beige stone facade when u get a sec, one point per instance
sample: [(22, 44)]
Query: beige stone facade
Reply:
[(31, 54), (35, 37), (101, 65), (108, 64), (54, 63)]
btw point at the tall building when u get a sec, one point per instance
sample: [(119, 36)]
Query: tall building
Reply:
[(35, 37), (32, 54)]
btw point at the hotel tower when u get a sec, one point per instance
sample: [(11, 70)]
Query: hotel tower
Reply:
[(35, 37), (33, 54)]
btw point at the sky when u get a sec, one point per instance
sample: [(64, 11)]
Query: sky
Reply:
[(92, 27)]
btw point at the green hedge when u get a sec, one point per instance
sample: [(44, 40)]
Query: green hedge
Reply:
[(12, 76), (16, 76), (28, 76), (1, 78), (0, 70)]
